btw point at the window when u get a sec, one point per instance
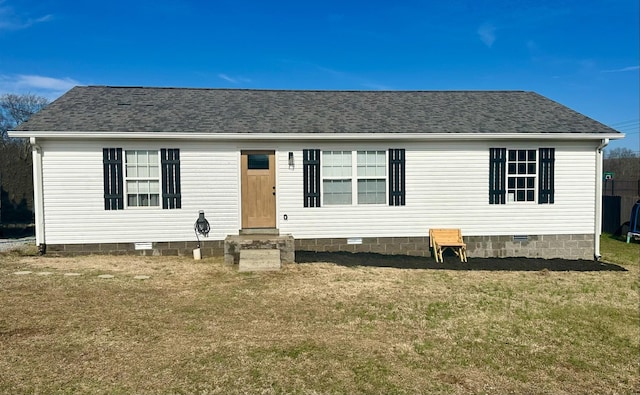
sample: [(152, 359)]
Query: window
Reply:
[(521, 175), (372, 181), (146, 172), (345, 174), (336, 177), (142, 178), (258, 162)]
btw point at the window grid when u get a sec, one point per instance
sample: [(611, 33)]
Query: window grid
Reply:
[(521, 175), (336, 177), (142, 178), (368, 185), (372, 167)]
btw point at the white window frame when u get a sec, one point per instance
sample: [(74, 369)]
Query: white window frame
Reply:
[(512, 192), (140, 179), (384, 177), (331, 177), (354, 177)]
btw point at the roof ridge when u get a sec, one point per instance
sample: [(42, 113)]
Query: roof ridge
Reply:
[(307, 90)]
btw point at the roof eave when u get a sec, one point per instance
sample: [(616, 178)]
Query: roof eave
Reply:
[(313, 136)]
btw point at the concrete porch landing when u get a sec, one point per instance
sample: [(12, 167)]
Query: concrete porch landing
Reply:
[(258, 251)]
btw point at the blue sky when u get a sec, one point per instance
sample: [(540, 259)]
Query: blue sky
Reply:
[(581, 53)]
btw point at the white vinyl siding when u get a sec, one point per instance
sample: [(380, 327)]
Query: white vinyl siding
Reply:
[(440, 192), (209, 182)]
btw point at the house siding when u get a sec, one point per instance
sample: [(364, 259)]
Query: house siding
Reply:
[(74, 203), (446, 186)]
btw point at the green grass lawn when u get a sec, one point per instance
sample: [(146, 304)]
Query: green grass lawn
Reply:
[(616, 250), (202, 327)]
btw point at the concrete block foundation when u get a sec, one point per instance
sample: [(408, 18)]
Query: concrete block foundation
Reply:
[(573, 246)]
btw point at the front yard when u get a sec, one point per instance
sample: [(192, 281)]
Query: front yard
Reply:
[(202, 327)]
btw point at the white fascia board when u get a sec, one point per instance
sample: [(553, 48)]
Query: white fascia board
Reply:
[(313, 136)]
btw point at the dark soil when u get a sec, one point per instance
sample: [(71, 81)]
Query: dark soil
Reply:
[(452, 262)]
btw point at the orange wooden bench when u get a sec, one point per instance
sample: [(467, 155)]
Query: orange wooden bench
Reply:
[(441, 239)]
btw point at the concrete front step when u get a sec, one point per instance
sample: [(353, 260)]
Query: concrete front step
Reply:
[(234, 245), (259, 260)]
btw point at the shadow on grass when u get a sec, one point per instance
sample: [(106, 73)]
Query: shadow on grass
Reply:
[(452, 262)]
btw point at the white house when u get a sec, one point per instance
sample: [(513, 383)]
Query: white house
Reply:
[(370, 171)]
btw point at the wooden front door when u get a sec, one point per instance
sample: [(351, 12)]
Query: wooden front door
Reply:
[(258, 189)]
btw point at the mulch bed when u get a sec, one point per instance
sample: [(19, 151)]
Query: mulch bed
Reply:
[(452, 262)]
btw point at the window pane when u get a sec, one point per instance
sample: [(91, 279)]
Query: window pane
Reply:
[(520, 196), (132, 171), (155, 200), (143, 171), (530, 196), (337, 192), (154, 187), (132, 200), (346, 159), (531, 155), (328, 171), (531, 168), (131, 156), (522, 168), (522, 155), (143, 157), (512, 155), (153, 157), (327, 159), (154, 171), (520, 182), (336, 164), (132, 187), (143, 200), (258, 161), (371, 163), (143, 187), (512, 168), (371, 191), (531, 181)]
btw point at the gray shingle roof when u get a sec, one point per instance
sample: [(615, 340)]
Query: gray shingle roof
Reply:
[(137, 109)]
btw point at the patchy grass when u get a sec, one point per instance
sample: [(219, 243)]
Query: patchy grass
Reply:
[(615, 249), (202, 327)]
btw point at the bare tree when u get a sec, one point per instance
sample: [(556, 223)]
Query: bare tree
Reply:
[(16, 188), (619, 153), (15, 109)]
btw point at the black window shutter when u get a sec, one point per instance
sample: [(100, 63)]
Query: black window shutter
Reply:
[(396, 177), (311, 177), (112, 175), (546, 171), (497, 175), (170, 162)]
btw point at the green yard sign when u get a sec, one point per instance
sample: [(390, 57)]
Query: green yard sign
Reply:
[(608, 175)]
